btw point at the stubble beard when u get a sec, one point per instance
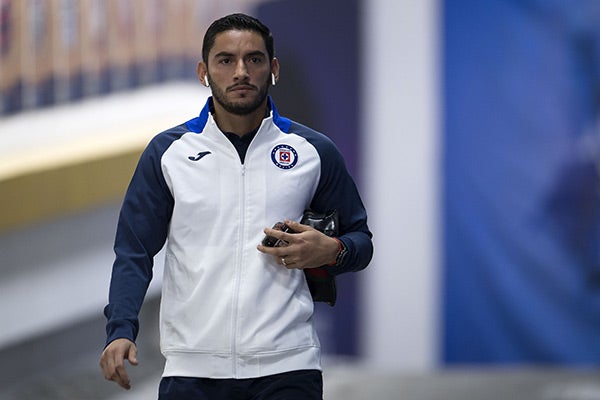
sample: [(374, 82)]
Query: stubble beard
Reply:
[(241, 108)]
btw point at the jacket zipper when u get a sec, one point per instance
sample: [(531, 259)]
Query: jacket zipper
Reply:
[(239, 264), (238, 271)]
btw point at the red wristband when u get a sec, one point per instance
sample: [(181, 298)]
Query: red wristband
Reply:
[(340, 247)]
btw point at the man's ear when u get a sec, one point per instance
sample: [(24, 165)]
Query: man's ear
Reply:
[(202, 73), (274, 70)]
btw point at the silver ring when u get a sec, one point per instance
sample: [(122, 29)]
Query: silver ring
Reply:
[(283, 261)]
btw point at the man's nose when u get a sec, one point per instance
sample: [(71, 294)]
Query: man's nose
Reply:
[(241, 71)]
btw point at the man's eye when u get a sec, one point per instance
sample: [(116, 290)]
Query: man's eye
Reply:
[(256, 60), (225, 61)]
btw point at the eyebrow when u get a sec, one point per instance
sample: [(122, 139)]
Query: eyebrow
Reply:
[(251, 54)]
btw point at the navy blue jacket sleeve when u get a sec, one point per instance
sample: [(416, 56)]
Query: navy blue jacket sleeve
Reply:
[(141, 233), (337, 191)]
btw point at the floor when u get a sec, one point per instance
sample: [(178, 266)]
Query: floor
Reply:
[(64, 366)]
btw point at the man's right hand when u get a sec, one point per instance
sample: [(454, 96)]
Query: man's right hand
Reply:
[(113, 358)]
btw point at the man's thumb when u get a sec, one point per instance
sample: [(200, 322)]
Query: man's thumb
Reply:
[(132, 357)]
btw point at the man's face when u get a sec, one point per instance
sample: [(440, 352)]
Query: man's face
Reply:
[(239, 71)]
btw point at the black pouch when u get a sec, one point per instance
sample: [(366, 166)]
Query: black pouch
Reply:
[(321, 284)]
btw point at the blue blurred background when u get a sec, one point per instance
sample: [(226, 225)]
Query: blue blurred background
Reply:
[(522, 195), (471, 128)]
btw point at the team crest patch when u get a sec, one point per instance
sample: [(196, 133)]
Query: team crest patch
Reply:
[(284, 156)]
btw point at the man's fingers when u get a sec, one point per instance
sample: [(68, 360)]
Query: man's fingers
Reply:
[(296, 226), (113, 358), (114, 369), (105, 369), (121, 377), (107, 364)]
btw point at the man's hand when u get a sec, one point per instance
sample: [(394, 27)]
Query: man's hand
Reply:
[(113, 358), (307, 248)]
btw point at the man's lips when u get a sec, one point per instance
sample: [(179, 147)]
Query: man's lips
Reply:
[(241, 87)]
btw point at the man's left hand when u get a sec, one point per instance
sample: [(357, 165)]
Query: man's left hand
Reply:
[(306, 248)]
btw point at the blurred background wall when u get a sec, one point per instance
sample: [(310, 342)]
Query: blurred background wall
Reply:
[(520, 205), (470, 127), (400, 142)]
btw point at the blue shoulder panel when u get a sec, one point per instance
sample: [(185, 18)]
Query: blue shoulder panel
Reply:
[(197, 124), (281, 122)]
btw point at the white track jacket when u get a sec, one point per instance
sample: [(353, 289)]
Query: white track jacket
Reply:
[(227, 310)]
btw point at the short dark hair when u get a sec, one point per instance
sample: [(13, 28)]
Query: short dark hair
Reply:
[(241, 22)]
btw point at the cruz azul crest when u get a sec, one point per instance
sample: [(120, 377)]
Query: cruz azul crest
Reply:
[(284, 156)]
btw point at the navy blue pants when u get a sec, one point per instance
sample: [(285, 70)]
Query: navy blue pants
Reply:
[(295, 385)]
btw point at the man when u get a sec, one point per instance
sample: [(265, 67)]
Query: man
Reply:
[(236, 316)]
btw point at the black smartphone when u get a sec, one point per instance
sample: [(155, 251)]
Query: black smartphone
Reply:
[(270, 241)]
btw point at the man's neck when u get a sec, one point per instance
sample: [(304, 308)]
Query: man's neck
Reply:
[(239, 124)]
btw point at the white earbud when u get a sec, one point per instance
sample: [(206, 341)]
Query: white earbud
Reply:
[(273, 81), (206, 81)]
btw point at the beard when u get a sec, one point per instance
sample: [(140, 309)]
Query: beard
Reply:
[(239, 107)]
